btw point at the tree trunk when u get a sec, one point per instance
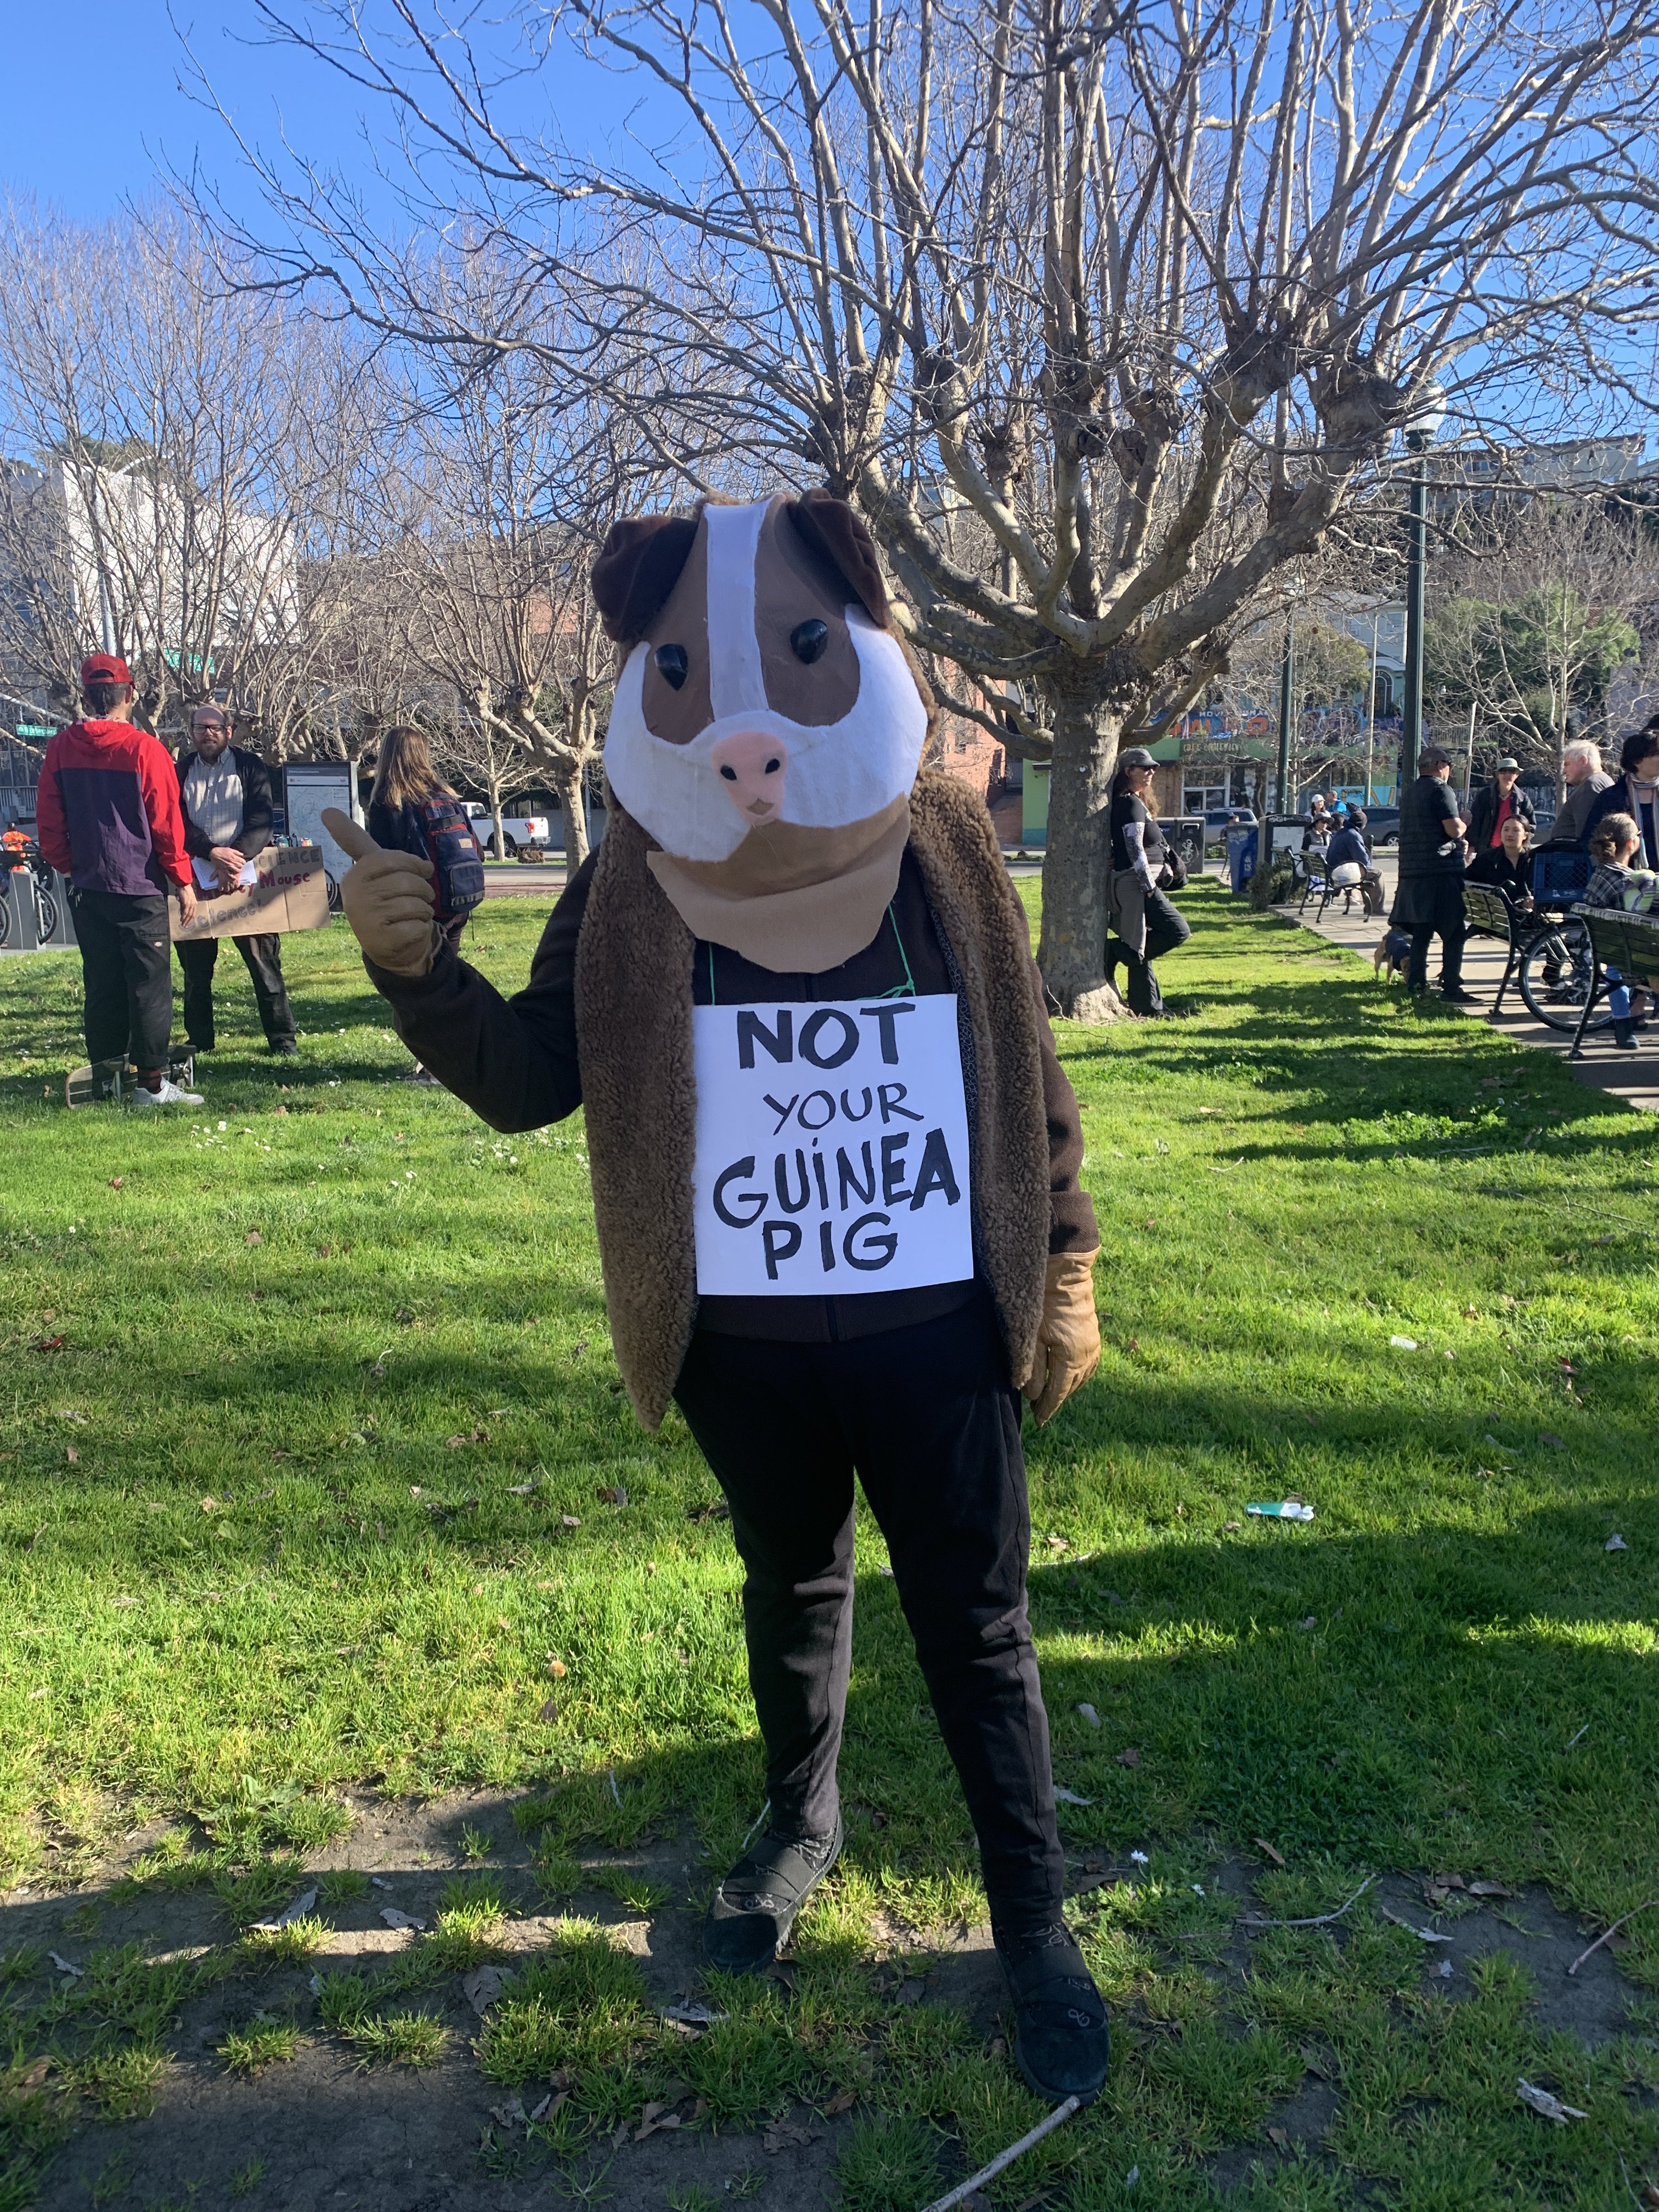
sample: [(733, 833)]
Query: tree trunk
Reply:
[(1072, 952), (568, 784), (496, 813)]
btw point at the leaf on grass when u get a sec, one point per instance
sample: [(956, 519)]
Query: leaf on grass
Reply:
[(555, 1668), (297, 1910), (1311, 1621), (692, 2014), (1267, 1851), (1130, 1757), (1090, 1715), (1551, 2107), (549, 1713), (471, 1436), (520, 1489), (612, 1493), (653, 2116), (509, 2116), (482, 1987), (569, 1520), (72, 1414), (1057, 1543), (1612, 1544), (35, 2078), (254, 1236), (1490, 1889), (843, 2103), (65, 1965), (550, 2104), (719, 1510), (393, 1919), (47, 1343), (1231, 1527), (71, 1455), (1423, 1935), (785, 2135)]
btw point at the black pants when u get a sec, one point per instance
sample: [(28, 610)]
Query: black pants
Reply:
[(928, 1419), (128, 975), (263, 955), (1439, 903), (1165, 929)]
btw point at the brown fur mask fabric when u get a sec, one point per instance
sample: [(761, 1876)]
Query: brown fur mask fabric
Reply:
[(634, 1036)]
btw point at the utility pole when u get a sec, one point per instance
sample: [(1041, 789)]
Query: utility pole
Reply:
[(1370, 714), (1419, 435), (1287, 709)]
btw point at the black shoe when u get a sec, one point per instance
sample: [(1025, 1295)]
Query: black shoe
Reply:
[(1456, 995), (1625, 1036), (284, 1047), (192, 1048), (757, 1906), (1062, 2045)]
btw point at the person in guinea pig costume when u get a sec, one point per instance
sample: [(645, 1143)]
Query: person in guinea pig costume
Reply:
[(835, 1166)]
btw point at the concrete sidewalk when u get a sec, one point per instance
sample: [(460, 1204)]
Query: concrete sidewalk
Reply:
[(1632, 1076)]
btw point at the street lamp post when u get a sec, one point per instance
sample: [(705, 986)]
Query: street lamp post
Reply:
[(1420, 428), (1287, 709)]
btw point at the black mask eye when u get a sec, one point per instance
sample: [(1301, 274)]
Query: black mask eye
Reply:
[(809, 639), (672, 665)]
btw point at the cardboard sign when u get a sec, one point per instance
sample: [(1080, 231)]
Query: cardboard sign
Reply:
[(832, 1148), (288, 892)]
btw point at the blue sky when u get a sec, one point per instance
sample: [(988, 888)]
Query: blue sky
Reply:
[(128, 52)]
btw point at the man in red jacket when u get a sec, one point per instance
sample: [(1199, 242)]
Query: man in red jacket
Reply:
[(109, 820)]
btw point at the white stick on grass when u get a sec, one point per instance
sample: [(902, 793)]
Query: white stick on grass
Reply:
[(1007, 2157)]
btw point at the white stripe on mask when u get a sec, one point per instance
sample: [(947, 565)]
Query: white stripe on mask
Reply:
[(735, 685)]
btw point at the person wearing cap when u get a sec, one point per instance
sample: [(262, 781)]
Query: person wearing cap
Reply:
[(109, 821), (224, 791), (1429, 901), (1141, 924), (1493, 807)]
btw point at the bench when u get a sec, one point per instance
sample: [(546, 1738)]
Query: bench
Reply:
[(1487, 913), (1627, 945)]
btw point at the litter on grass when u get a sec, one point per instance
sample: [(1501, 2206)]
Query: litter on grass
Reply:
[(482, 1987), (297, 1910), (1423, 1935), (1615, 1544), (66, 1966), (1404, 1343), (393, 1919), (1551, 2107), (1289, 1509), (1071, 1797), (1090, 1715), (690, 2014)]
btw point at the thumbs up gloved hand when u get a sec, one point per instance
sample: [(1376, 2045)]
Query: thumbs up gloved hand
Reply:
[(388, 900), (1068, 1335)]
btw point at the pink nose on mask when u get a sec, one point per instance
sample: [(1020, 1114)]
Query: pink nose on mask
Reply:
[(750, 768)]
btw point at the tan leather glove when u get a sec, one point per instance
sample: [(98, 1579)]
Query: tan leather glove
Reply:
[(387, 897), (1068, 1336)]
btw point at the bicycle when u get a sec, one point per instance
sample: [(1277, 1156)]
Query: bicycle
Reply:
[(1556, 971)]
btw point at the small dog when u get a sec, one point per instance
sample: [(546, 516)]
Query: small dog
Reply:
[(1391, 952)]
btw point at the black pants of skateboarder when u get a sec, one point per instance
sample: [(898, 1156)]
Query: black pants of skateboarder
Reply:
[(928, 1419), (262, 955), (128, 976)]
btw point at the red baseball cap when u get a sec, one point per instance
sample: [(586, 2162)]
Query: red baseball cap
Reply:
[(105, 668)]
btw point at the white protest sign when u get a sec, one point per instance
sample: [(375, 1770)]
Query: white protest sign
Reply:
[(832, 1148)]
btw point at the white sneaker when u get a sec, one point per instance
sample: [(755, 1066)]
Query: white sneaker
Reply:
[(168, 1095)]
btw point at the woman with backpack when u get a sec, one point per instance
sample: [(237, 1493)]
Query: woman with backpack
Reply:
[(412, 810)]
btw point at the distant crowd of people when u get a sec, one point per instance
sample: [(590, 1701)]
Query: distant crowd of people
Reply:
[(127, 825), (1615, 820)]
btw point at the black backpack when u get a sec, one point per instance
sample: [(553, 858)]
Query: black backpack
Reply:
[(452, 847)]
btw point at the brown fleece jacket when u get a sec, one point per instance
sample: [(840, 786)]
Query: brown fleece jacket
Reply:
[(634, 999)]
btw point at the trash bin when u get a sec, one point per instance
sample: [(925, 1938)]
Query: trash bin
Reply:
[(1240, 856)]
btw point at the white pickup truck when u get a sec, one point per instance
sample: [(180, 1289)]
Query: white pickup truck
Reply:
[(532, 831)]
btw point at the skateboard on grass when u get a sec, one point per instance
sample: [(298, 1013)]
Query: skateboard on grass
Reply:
[(107, 1082)]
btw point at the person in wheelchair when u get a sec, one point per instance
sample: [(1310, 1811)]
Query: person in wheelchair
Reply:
[(1506, 867)]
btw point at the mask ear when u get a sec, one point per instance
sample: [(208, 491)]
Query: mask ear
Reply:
[(638, 566), (840, 540)]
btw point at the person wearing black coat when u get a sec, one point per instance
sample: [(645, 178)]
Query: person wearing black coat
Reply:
[(1492, 807), (1506, 867), (224, 796), (1635, 792)]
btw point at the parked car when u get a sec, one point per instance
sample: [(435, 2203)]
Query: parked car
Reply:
[(1219, 820), (532, 833), (1382, 826)]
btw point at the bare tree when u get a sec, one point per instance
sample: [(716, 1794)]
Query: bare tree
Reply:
[(1143, 294), (505, 512), (156, 429), (1534, 620)]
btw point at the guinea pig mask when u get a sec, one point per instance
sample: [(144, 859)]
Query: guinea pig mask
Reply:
[(766, 727)]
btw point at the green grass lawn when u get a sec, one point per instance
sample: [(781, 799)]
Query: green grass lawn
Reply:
[(309, 1407)]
